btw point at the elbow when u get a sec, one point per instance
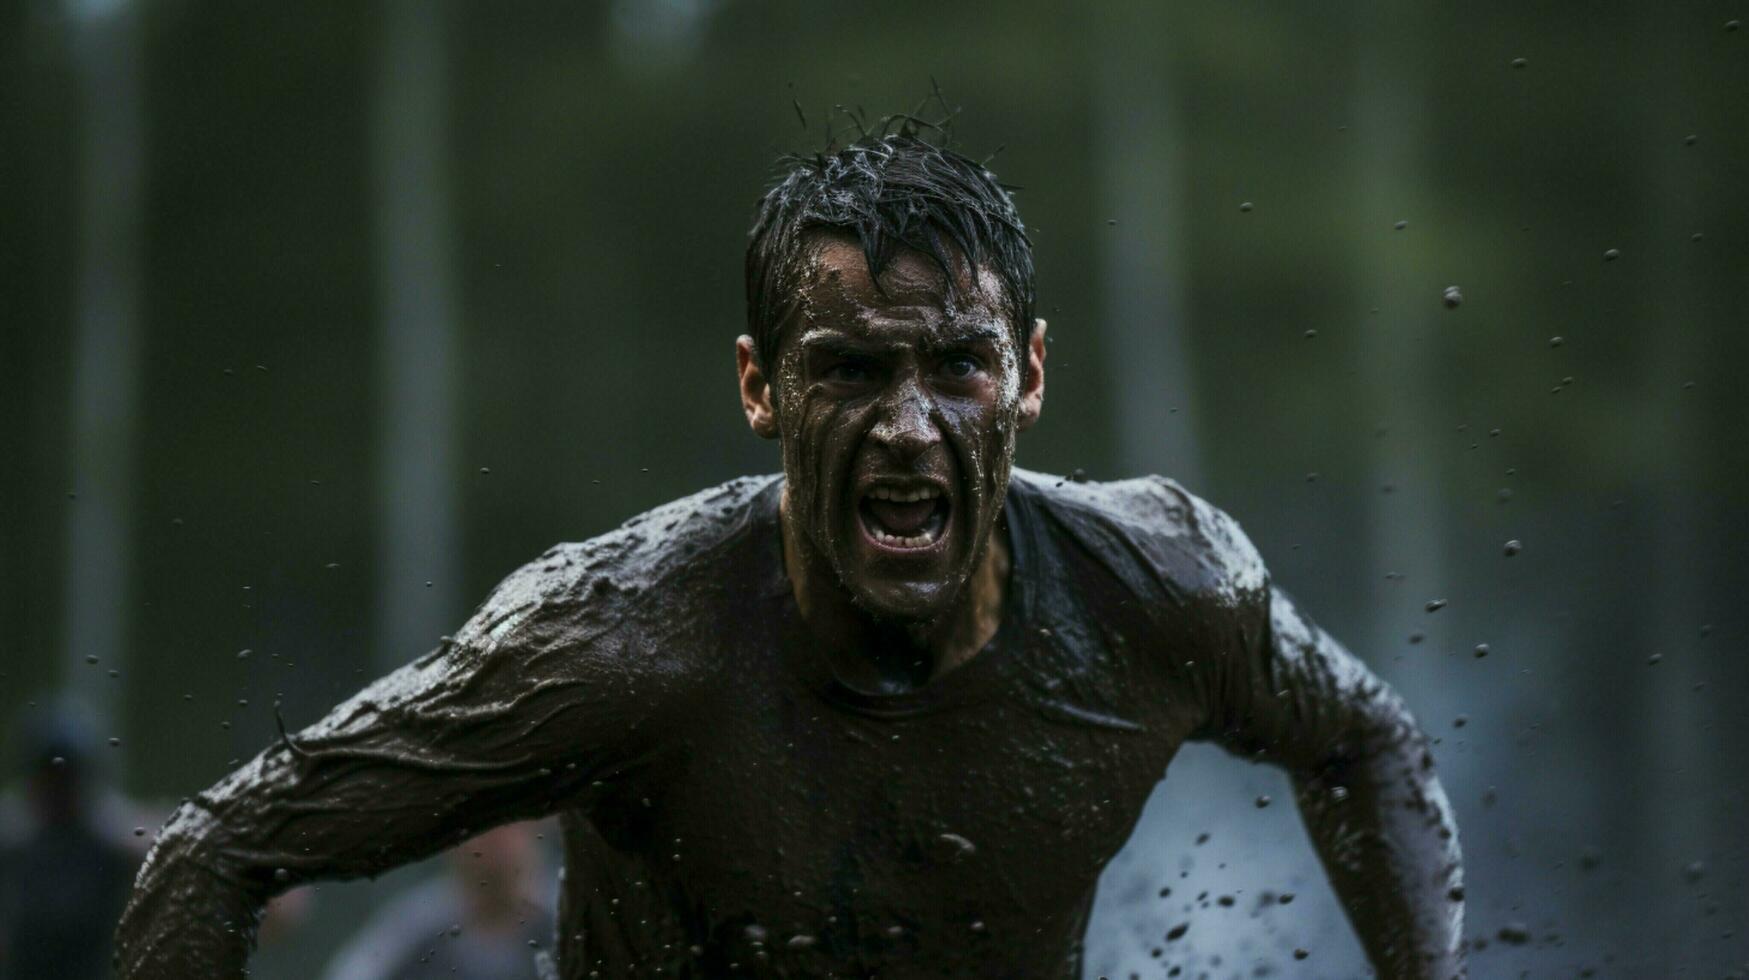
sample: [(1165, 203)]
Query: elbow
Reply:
[(1376, 737), (195, 843)]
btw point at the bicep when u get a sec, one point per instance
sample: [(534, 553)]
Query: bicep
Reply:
[(1287, 692)]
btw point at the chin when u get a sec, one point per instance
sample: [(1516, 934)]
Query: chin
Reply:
[(905, 603)]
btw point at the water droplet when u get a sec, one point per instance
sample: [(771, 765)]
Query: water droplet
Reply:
[(1452, 297), (962, 847), (1512, 547)]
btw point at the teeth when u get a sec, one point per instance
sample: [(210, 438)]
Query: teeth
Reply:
[(914, 541), (904, 496)]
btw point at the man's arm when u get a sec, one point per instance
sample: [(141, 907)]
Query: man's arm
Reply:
[(525, 710), (1364, 780)]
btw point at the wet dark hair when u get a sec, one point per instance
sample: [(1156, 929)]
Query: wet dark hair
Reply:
[(891, 192)]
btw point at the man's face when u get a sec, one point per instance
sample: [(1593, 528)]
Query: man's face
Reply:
[(898, 409)]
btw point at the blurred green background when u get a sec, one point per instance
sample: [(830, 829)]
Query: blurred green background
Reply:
[(305, 306)]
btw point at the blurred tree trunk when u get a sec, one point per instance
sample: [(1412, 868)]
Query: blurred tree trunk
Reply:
[(1685, 772), (38, 243), (1399, 321), (1140, 179), (418, 552), (106, 346)]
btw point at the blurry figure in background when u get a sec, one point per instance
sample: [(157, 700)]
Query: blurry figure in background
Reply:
[(67, 857), (482, 921)]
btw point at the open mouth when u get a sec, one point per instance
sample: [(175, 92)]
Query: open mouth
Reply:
[(904, 518)]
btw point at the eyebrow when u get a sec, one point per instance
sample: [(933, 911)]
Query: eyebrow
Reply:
[(836, 340)]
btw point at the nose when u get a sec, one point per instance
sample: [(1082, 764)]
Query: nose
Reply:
[(907, 426)]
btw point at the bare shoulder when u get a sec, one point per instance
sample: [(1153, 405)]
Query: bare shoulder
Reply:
[(1194, 545)]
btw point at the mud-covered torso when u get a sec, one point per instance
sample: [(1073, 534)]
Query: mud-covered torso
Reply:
[(791, 826)]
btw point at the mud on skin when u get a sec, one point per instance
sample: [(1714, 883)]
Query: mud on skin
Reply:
[(886, 392)]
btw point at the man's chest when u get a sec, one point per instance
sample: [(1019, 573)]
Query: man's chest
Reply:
[(793, 814)]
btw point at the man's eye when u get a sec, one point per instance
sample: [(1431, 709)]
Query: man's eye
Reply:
[(847, 372), (960, 366)]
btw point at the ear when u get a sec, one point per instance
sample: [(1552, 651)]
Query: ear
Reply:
[(755, 390), (1032, 385)]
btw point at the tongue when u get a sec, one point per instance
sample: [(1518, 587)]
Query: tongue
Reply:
[(904, 519)]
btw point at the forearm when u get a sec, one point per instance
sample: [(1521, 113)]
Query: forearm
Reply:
[(1385, 832), (191, 915), (399, 772)]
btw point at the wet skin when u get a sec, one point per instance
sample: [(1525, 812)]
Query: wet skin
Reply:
[(781, 746), (897, 388)]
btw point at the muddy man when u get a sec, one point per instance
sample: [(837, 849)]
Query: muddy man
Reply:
[(885, 714)]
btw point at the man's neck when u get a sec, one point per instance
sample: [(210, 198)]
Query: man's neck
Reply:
[(876, 655)]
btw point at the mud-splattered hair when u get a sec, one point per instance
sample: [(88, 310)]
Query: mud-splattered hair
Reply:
[(891, 192)]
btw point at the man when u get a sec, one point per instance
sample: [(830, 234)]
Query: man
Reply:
[(475, 923), (887, 714), (65, 855)]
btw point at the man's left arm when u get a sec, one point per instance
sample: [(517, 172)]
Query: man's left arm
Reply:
[(1363, 776)]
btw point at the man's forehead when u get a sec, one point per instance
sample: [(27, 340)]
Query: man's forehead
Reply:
[(836, 284)]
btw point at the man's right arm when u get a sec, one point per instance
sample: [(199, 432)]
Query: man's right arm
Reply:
[(525, 710)]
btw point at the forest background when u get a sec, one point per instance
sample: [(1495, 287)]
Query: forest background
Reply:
[(317, 319)]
